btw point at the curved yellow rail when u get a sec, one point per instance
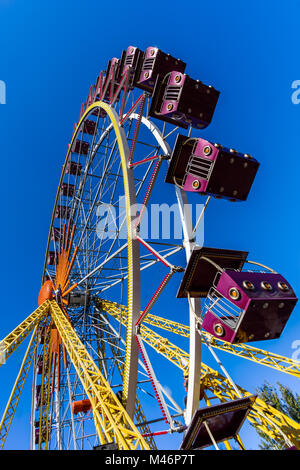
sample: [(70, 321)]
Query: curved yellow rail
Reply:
[(131, 355)]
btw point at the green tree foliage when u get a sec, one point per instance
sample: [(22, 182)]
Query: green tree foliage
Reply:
[(283, 399)]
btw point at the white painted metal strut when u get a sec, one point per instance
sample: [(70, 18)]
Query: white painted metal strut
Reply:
[(193, 393), (201, 215), (194, 378), (211, 435)]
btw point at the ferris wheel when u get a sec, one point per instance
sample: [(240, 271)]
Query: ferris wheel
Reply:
[(96, 350)]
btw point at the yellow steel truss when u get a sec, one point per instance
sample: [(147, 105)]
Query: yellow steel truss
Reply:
[(267, 419), (111, 419), (10, 343), (259, 356), (43, 435), (17, 388), (138, 412)]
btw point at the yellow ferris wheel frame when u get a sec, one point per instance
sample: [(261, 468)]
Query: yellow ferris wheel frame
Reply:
[(133, 300)]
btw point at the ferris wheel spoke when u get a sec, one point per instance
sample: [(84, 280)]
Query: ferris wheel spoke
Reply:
[(103, 263), (178, 357), (92, 155), (118, 337), (96, 238), (66, 333), (155, 384), (89, 382), (143, 267), (174, 405), (170, 133), (95, 198), (107, 225), (92, 248)]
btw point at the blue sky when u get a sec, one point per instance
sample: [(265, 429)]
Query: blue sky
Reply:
[(52, 51)]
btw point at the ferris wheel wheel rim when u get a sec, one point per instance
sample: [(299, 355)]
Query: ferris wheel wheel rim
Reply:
[(157, 134), (132, 244)]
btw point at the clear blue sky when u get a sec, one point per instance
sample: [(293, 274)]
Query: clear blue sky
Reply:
[(51, 51)]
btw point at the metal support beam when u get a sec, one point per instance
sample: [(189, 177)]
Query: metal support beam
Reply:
[(10, 343), (114, 345), (18, 388), (43, 422), (266, 418), (259, 356), (111, 419)]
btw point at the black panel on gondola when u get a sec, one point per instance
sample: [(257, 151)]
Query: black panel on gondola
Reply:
[(224, 422), (199, 274)]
